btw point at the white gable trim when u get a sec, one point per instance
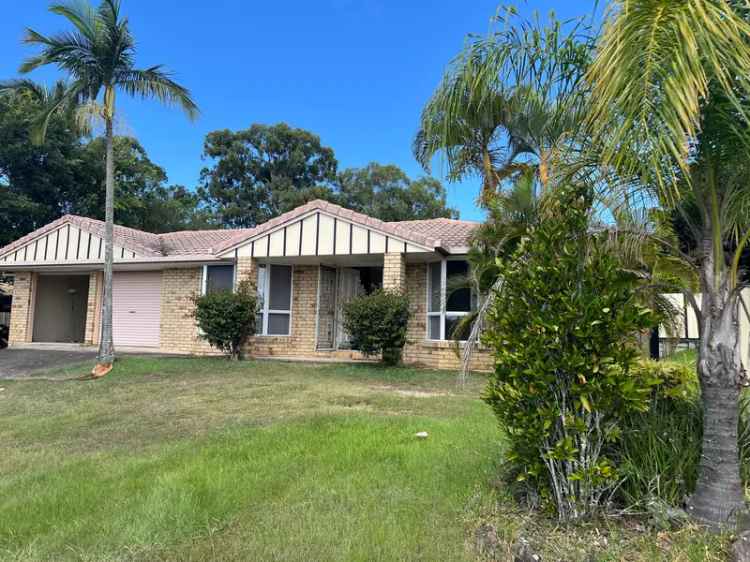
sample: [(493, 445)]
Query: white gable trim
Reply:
[(67, 243), (318, 233)]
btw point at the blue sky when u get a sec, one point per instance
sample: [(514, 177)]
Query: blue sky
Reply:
[(357, 73)]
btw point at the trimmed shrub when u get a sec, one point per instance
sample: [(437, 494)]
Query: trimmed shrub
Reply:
[(376, 324), (227, 319), (564, 331)]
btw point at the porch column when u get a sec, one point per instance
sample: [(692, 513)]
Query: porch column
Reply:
[(394, 272), (247, 270), (22, 308), (93, 308)]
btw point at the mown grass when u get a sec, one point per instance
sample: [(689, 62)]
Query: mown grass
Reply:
[(203, 459)]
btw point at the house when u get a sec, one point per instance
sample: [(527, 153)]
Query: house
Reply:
[(305, 264)]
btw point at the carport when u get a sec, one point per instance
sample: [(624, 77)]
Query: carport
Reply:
[(60, 308)]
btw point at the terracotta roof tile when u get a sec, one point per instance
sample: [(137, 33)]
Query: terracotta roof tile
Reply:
[(432, 233)]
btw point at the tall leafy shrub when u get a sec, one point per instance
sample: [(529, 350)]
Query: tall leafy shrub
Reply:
[(227, 319), (563, 328), (376, 324)]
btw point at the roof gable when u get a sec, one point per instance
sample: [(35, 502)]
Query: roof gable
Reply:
[(319, 208)]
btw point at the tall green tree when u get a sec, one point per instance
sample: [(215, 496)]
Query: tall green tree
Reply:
[(669, 114), (261, 172), (386, 192), (99, 57), (143, 199), (38, 182)]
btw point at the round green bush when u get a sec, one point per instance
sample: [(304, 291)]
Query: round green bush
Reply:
[(227, 319), (376, 324)]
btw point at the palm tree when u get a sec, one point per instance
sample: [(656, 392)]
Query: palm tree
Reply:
[(509, 110), (509, 102), (669, 112), (99, 57)]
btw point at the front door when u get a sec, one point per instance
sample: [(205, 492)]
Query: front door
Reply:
[(326, 308)]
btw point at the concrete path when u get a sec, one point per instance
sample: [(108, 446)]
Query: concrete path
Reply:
[(18, 363)]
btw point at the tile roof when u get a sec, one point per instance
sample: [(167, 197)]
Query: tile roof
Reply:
[(431, 233), (452, 233)]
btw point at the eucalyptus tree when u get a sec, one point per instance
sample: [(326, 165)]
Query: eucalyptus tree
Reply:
[(98, 56), (509, 102), (669, 112)]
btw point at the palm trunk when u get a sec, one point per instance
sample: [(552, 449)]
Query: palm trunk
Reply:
[(718, 496), (106, 345)]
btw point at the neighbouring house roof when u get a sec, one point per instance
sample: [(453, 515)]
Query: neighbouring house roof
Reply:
[(448, 235)]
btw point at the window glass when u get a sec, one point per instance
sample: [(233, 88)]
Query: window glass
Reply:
[(219, 278), (451, 323), (261, 284), (435, 289), (280, 288), (278, 324), (434, 327), (261, 298), (458, 298)]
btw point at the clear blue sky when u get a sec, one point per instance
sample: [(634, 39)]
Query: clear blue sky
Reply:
[(357, 73)]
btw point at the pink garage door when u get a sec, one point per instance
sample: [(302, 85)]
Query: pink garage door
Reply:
[(136, 309)]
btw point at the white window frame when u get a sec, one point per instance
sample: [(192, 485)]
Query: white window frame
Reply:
[(265, 311), (204, 280), (442, 313)]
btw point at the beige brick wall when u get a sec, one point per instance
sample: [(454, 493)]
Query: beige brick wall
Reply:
[(421, 351), (178, 331), (93, 308), (247, 270), (22, 308), (394, 272)]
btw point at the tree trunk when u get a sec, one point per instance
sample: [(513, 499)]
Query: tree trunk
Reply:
[(719, 496), (106, 344)]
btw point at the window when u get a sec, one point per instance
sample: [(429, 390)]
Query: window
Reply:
[(448, 299), (274, 300), (218, 278)]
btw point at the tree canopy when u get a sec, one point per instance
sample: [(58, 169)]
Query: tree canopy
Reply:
[(387, 193), (261, 172), (65, 174), (258, 173)]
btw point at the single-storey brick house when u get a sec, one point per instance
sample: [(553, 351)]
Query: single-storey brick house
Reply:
[(305, 263)]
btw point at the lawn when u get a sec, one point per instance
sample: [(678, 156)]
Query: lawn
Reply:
[(203, 459)]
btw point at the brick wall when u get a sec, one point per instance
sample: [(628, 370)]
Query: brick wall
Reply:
[(93, 308), (421, 351), (22, 308), (178, 331), (394, 271)]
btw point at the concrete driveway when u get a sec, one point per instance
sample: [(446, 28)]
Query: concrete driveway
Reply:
[(15, 363)]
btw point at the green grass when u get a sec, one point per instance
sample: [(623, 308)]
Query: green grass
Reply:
[(203, 459)]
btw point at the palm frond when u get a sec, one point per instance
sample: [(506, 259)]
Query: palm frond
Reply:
[(81, 14), (654, 64), (155, 83)]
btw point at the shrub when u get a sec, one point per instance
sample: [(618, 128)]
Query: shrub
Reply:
[(563, 328), (660, 447), (227, 319), (376, 324)]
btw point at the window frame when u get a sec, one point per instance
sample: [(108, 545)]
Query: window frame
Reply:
[(443, 314), (264, 311), (204, 279)]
